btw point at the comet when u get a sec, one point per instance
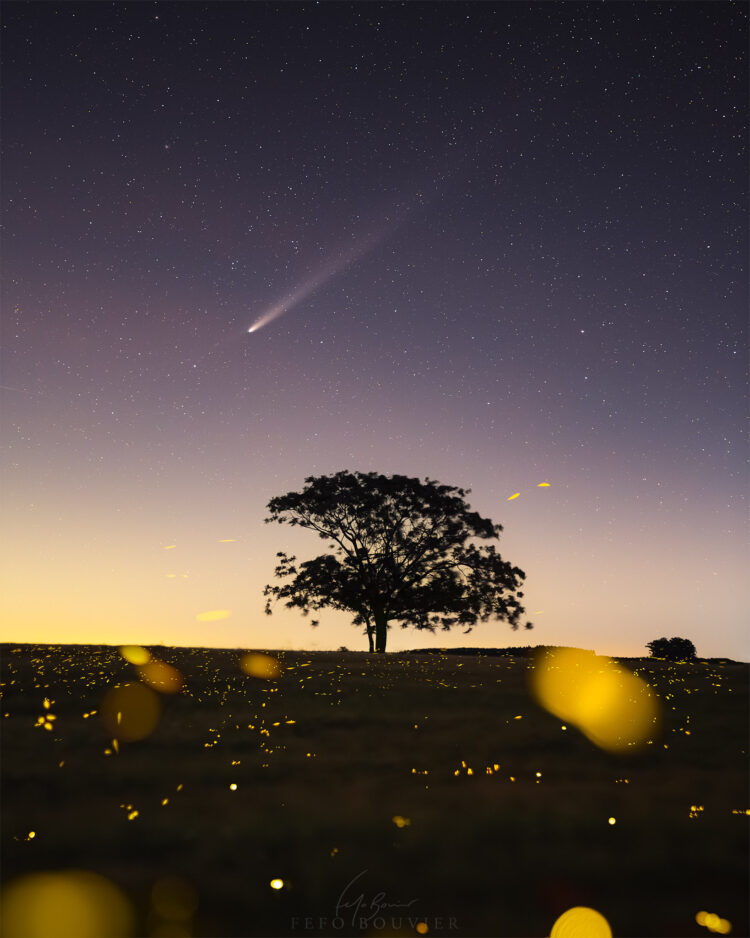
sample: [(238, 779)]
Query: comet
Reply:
[(332, 266), (327, 272)]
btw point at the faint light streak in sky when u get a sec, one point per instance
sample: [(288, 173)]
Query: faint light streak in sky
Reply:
[(213, 615), (328, 271)]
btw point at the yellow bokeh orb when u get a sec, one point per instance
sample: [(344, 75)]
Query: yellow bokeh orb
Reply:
[(161, 676), (130, 711), (135, 654), (613, 707), (170, 929), (71, 904), (263, 666), (174, 899), (581, 922)]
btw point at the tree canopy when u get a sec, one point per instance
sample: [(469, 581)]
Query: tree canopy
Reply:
[(402, 550), (673, 649)]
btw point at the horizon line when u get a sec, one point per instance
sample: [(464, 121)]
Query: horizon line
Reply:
[(364, 651)]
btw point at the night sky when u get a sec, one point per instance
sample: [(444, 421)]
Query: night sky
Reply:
[(495, 244)]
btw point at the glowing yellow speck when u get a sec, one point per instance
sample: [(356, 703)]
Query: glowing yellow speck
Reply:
[(32, 835), (422, 928), (277, 884), (132, 815), (612, 820), (213, 615), (233, 786), (542, 485), (401, 821), (510, 499), (164, 801), (170, 547)]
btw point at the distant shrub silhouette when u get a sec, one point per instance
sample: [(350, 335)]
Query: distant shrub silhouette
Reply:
[(673, 649)]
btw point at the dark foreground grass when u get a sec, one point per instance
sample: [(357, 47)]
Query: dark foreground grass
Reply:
[(450, 747)]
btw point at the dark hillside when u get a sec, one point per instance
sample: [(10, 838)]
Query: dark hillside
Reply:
[(437, 774)]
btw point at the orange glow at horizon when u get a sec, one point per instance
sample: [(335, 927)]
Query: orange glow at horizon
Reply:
[(104, 585)]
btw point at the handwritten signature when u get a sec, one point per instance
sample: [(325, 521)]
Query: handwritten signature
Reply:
[(363, 910)]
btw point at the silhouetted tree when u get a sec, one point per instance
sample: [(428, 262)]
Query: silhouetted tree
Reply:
[(658, 647), (403, 552), (673, 649)]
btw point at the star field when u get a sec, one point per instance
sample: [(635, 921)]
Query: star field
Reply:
[(504, 243)]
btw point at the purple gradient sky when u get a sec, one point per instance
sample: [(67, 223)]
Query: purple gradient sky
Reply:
[(526, 229)]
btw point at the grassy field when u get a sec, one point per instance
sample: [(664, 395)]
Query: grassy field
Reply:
[(409, 790)]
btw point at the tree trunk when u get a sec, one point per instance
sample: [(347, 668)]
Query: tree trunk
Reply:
[(370, 631), (381, 631)]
